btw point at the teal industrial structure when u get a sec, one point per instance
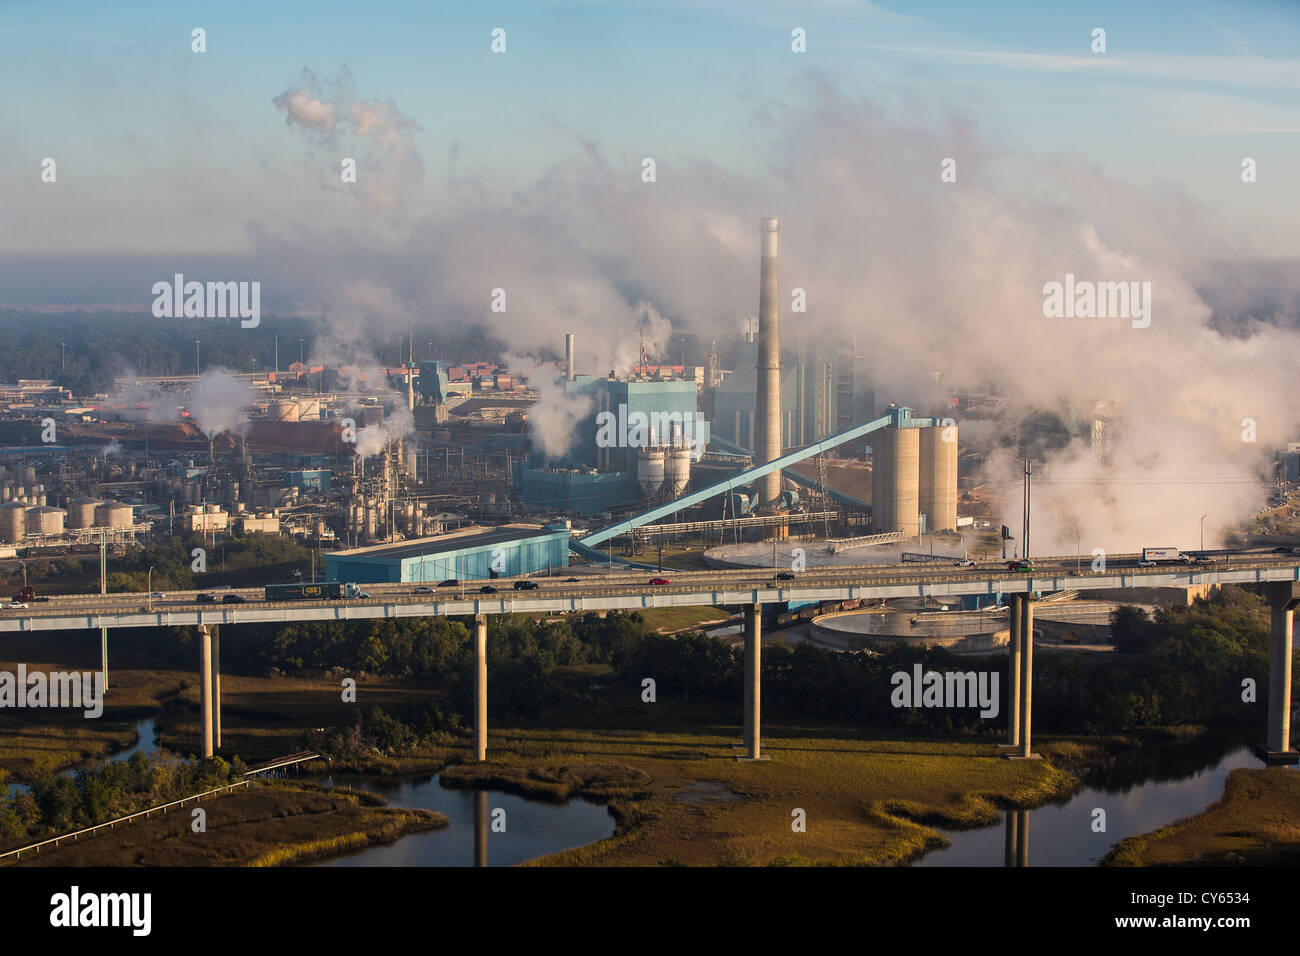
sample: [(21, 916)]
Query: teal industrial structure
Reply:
[(469, 554)]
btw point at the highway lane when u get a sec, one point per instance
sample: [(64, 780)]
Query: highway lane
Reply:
[(593, 585)]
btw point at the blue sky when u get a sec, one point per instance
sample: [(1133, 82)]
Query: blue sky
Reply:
[(163, 149)]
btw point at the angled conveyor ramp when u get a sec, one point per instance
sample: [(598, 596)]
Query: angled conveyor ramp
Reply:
[(797, 478), (735, 481)]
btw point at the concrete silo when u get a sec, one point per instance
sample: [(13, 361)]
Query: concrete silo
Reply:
[(650, 470), (895, 479), (938, 477), (13, 521)]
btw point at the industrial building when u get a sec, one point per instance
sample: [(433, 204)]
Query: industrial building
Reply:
[(467, 554)]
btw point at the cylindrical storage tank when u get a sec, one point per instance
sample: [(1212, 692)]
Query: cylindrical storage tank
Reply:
[(282, 410), (13, 521), (238, 507), (937, 484), (212, 508), (309, 409), (113, 514), (677, 470), (895, 480), (44, 520), (40, 501), (81, 512), (650, 470), (412, 459), (28, 475)]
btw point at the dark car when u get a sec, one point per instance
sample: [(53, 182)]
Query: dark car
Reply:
[(658, 580), (232, 599), (423, 589), (785, 576), (206, 599), (487, 589), (525, 585), (1019, 566), (449, 583), (571, 581)]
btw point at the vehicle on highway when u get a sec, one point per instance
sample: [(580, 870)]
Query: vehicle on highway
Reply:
[(525, 585), (328, 590), (14, 605), (658, 581), (1162, 554), (572, 581), (233, 599), (1144, 563), (487, 589), (785, 576), (423, 589), (157, 594), (1019, 566), (1206, 559), (27, 594), (449, 583), (206, 598), (963, 563)]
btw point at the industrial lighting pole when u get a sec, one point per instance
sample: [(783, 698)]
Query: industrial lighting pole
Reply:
[(150, 585), (196, 358), (24, 564), (63, 357), (1025, 523), (300, 362), (1078, 551), (1203, 517)]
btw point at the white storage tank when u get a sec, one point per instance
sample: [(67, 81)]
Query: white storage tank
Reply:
[(13, 521), (114, 514), (45, 520)]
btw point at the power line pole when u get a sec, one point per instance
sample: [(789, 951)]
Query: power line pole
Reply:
[(1025, 522)]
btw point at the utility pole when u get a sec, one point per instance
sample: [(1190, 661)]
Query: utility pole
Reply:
[(196, 358), (1025, 524)]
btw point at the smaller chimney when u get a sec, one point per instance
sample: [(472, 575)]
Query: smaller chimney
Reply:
[(568, 356)]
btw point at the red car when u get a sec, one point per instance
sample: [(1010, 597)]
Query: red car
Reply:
[(658, 580)]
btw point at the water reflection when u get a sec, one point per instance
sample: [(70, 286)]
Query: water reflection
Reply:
[(485, 827), (1139, 792)]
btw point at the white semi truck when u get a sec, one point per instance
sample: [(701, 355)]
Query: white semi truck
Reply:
[(1150, 556)]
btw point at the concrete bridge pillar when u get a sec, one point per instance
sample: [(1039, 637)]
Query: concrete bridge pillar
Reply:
[(1020, 680), (1283, 599), (1013, 673), (480, 687), (205, 686), (753, 682), (1026, 684), (216, 686)]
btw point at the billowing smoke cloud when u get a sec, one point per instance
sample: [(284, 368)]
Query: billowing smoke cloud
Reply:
[(552, 420), (919, 275), (219, 402), (373, 439), (374, 133)]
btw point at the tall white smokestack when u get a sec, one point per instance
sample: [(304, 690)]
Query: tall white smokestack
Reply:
[(768, 412), (568, 356)]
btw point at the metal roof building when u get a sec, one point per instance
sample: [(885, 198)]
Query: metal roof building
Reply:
[(468, 554)]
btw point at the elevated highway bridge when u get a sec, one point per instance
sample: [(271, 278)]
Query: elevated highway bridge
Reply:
[(1278, 576)]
